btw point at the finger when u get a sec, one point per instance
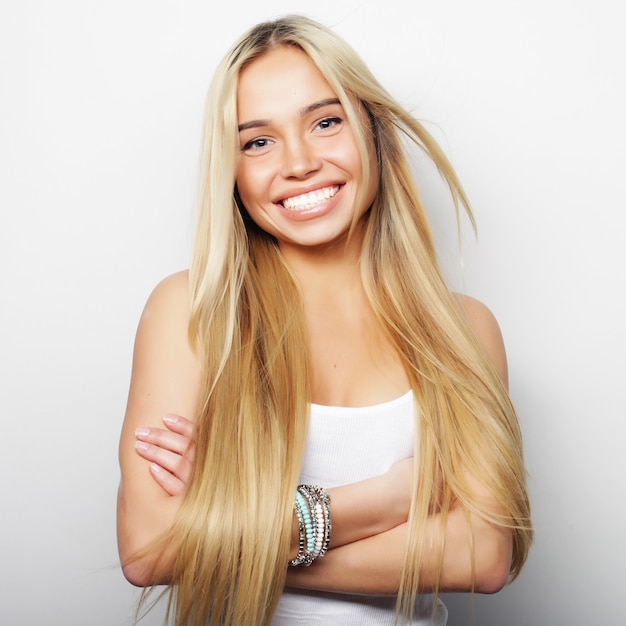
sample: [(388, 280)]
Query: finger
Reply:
[(163, 439), (178, 424), (176, 464), (167, 481), (190, 452)]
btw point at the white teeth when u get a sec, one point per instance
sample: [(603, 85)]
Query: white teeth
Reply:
[(309, 200)]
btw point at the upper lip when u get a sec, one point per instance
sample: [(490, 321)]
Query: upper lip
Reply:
[(307, 189)]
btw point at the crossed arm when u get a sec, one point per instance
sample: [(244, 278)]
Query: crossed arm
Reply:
[(369, 517), (369, 526)]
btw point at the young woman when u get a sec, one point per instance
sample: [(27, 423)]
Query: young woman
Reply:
[(314, 342)]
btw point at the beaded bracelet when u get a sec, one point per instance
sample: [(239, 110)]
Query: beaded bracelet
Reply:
[(328, 525), (304, 505), (302, 534), (312, 506), (313, 527)]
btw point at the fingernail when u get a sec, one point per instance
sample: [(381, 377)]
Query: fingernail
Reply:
[(142, 432), (155, 468), (140, 445), (170, 419)]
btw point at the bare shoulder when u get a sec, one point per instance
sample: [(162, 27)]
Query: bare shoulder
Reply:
[(479, 316), (487, 330), (165, 319), (166, 373), (171, 295)]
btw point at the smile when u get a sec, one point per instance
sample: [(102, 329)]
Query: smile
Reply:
[(309, 200)]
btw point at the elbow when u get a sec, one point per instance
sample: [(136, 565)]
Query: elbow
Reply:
[(492, 581), (145, 561), (135, 564), (137, 568), (136, 574), (140, 573), (493, 564), (143, 568)]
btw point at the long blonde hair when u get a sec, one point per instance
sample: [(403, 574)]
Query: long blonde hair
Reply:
[(232, 532)]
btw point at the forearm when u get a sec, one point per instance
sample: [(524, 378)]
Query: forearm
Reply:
[(362, 509), (368, 507), (374, 565)]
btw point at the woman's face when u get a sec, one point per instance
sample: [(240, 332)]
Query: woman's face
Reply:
[(299, 171)]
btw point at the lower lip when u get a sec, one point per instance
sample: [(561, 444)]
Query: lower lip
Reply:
[(319, 210)]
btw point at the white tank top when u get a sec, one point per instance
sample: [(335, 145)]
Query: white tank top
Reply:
[(345, 445)]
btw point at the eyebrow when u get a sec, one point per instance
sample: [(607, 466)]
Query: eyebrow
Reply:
[(304, 111)]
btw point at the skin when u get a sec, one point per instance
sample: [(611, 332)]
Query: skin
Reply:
[(294, 140)]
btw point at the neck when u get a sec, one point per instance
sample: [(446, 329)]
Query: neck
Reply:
[(326, 266)]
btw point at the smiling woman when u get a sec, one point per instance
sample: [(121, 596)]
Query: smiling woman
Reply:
[(300, 174), (325, 394)]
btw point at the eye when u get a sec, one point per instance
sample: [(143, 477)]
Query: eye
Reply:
[(257, 145), (329, 123)]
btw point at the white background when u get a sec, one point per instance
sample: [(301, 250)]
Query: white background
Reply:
[(100, 112)]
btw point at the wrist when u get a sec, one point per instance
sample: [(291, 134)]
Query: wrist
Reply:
[(365, 508), (312, 509)]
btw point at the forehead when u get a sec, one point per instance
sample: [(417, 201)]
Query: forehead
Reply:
[(283, 80)]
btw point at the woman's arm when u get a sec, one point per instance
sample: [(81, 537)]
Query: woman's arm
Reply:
[(374, 565), (165, 377), (369, 529), (359, 510), (369, 532)]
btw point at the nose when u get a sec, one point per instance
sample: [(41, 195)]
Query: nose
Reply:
[(300, 158)]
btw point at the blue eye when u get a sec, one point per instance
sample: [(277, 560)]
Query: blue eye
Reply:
[(329, 122), (256, 144)]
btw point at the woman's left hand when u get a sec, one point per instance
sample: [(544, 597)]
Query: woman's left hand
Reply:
[(170, 451)]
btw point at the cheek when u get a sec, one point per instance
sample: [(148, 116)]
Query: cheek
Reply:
[(253, 184), (250, 197), (345, 153), (352, 161), (244, 187)]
